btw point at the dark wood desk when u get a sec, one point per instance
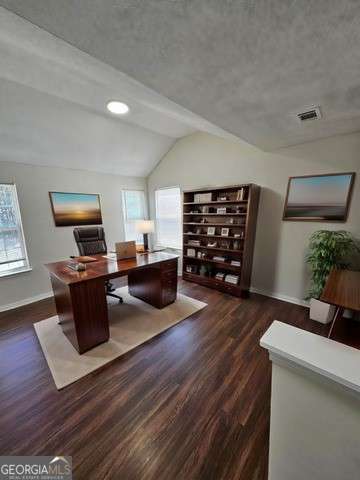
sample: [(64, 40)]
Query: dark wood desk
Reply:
[(80, 297), (342, 289)]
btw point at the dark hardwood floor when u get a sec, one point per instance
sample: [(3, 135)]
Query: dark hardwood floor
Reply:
[(193, 403)]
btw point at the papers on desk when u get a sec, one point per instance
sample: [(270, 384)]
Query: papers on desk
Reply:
[(111, 256)]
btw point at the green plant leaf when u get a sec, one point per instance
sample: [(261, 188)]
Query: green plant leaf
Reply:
[(327, 250)]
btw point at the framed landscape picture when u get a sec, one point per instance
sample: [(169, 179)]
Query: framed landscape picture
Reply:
[(73, 209), (319, 197)]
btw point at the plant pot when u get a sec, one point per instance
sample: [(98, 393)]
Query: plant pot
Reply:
[(321, 312)]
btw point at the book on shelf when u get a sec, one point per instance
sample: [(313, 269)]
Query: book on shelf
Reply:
[(235, 263), (202, 197), (221, 210), (220, 276), (218, 258), (240, 194), (194, 243), (233, 279)]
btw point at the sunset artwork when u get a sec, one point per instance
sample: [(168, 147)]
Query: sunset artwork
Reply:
[(319, 197), (72, 209)]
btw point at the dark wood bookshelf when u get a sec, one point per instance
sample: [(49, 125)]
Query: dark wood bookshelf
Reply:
[(238, 215)]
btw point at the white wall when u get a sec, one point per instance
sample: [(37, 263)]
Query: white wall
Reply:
[(45, 242), (315, 406), (314, 427), (205, 160)]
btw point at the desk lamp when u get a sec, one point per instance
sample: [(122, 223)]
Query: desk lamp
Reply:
[(145, 227)]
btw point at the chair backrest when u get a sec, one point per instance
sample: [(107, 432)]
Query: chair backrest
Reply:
[(90, 240)]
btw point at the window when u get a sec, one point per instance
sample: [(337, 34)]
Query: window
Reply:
[(13, 256), (168, 217), (134, 209)]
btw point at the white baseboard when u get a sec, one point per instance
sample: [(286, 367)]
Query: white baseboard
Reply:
[(25, 301), (280, 296), (266, 293)]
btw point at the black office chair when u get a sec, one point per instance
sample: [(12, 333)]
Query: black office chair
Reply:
[(90, 241)]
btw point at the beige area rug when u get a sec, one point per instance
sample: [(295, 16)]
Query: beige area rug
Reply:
[(132, 323)]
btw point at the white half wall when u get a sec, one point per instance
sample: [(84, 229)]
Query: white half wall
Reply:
[(46, 242), (201, 160)]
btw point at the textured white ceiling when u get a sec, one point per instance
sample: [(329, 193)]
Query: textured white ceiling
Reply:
[(245, 65), (53, 107)]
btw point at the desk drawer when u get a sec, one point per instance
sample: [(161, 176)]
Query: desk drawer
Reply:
[(169, 265), (169, 293), (169, 275), (172, 284)]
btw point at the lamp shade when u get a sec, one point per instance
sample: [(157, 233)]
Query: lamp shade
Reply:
[(145, 226)]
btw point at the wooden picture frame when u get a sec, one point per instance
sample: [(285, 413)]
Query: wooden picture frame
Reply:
[(326, 197)]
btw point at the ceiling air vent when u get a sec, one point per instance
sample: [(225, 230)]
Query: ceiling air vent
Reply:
[(311, 114)]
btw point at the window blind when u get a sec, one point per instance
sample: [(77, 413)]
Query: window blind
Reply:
[(134, 209), (13, 256), (168, 217)]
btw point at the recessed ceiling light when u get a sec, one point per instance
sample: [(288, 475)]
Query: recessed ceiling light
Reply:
[(119, 108)]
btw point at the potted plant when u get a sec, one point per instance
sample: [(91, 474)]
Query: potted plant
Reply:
[(327, 250)]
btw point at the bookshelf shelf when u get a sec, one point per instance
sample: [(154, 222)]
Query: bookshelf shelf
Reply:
[(217, 202), (204, 247), (217, 214), (203, 270), (213, 283), (230, 225), (224, 265), (213, 236)]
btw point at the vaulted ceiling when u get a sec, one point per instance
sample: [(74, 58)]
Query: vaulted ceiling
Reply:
[(247, 66), (53, 108)]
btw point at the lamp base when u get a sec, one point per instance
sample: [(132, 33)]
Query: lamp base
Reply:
[(146, 242)]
